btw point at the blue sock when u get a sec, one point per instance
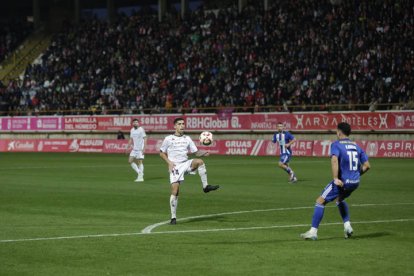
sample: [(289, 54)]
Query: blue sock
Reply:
[(288, 170), (343, 210), (317, 215)]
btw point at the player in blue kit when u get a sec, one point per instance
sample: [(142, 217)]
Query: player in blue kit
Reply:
[(285, 139), (348, 162)]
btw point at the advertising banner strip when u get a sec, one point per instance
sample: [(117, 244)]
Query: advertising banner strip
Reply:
[(305, 121), (317, 148)]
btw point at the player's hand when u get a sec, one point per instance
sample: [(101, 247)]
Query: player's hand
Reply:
[(171, 166), (206, 153), (338, 182)]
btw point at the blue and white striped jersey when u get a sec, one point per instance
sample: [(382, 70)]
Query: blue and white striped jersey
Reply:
[(282, 138)]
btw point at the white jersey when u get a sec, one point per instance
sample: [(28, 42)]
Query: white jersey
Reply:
[(177, 147), (138, 136)]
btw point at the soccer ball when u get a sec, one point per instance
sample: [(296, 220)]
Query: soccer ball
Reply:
[(206, 138)]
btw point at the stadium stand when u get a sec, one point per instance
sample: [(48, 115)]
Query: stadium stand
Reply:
[(12, 33), (304, 53)]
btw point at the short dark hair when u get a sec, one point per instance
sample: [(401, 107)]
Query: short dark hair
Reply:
[(135, 120), (280, 123), (345, 128), (178, 119)]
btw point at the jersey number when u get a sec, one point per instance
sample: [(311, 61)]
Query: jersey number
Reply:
[(353, 160)]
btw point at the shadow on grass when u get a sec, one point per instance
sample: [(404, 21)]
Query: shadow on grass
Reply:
[(360, 237), (224, 240), (299, 240), (372, 235)]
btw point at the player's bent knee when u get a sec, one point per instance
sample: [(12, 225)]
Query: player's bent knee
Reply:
[(200, 162), (197, 163), (320, 200)]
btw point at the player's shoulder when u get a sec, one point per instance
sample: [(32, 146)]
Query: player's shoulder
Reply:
[(141, 129), (336, 143)]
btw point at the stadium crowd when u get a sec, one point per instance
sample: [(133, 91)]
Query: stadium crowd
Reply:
[(12, 34), (306, 53)]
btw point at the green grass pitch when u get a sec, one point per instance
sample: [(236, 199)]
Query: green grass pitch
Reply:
[(68, 197)]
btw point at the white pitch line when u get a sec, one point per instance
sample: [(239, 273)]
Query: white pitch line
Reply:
[(201, 230), (275, 226), (151, 227), (148, 229)]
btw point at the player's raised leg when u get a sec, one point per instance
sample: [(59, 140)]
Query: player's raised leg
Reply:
[(198, 164)]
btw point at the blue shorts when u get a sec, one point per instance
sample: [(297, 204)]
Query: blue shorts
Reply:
[(331, 191), (285, 158)]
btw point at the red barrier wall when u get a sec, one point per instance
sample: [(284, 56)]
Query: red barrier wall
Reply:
[(388, 148), (360, 121)]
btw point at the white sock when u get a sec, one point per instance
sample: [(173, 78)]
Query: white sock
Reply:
[(173, 205), (347, 224), (135, 167), (141, 168), (313, 230), (203, 175)]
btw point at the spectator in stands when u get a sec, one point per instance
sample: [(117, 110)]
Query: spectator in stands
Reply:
[(306, 53), (120, 135), (12, 33)]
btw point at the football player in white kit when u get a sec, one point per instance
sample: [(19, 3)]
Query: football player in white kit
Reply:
[(174, 151), (138, 141)]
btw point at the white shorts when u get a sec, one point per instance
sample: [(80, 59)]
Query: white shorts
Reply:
[(137, 154), (177, 174)]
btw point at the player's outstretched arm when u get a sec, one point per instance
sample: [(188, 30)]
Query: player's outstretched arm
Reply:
[(201, 153), (365, 167)]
